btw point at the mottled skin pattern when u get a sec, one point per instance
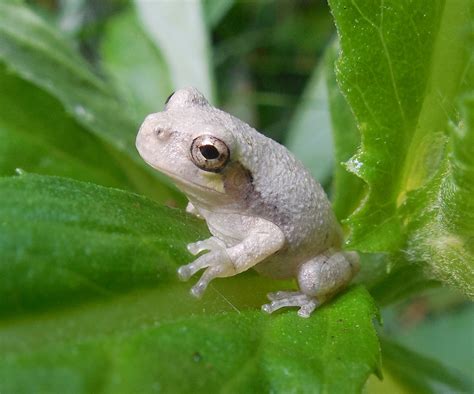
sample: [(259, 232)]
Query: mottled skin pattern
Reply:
[(262, 206)]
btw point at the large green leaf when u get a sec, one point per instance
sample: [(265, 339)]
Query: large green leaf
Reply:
[(38, 136), (91, 303), (403, 66), (39, 54), (62, 240), (442, 232)]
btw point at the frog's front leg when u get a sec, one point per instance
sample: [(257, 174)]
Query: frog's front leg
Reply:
[(265, 239)]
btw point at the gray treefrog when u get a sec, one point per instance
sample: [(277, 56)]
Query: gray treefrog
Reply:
[(261, 205)]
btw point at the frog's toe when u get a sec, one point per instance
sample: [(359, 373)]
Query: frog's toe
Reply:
[(188, 270), (209, 274), (217, 263), (198, 289), (308, 308), (267, 308), (184, 272), (196, 247)]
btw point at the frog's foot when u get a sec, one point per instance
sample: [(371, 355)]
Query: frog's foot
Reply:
[(215, 269), (282, 299), (211, 259), (212, 272), (216, 262), (217, 253)]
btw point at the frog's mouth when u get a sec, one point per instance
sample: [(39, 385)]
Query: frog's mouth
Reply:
[(190, 187)]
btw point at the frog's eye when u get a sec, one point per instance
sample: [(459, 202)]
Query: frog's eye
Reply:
[(169, 97), (209, 153)]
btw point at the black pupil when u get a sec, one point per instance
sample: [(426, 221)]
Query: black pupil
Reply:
[(209, 152), (168, 99)]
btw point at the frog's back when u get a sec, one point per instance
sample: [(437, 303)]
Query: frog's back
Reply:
[(284, 192)]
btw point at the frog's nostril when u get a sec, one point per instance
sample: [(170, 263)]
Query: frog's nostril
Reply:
[(161, 133)]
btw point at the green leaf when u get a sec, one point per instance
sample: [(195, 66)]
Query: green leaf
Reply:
[(90, 303), (390, 278), (443, 236), (309, 135), (414, 373), (135, 64), (39, 54), (179, 32), (402, 68), (62, 240), (33, 127)]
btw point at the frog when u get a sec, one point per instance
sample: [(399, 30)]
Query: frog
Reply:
[(263, 208)]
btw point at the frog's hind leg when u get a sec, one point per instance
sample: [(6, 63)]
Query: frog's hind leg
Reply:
[(323, 276), (318, 279), (327, 273)]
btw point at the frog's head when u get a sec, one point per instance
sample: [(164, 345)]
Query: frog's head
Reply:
[(192, 142)]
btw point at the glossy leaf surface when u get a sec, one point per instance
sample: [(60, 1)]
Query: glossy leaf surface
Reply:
[(91, 302)]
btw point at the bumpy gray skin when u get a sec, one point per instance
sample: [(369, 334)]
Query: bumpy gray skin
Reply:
[(262, 206)]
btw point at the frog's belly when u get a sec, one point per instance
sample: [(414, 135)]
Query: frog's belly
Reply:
[(279, 266)]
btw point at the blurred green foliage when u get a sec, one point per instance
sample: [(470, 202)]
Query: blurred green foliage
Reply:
[(88, 296)]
